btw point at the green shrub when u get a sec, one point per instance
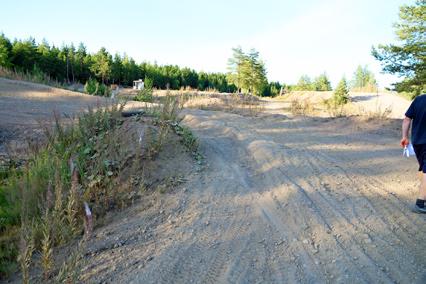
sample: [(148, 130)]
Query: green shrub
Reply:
[(146, 95), (92, 87), (104, 91), (188, 138)]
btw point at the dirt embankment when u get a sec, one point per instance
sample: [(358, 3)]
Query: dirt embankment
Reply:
[(25, 108), (281, 199)]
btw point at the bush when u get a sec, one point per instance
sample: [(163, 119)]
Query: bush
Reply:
[(298, 107), (144, 95), (92, 87)]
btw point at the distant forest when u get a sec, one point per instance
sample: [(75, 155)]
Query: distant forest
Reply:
[(69, 64)]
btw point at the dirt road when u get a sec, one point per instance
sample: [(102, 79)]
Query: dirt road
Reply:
[(281, 200)]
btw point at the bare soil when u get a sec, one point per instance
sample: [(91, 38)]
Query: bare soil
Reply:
[(278, 199), (25, 108)]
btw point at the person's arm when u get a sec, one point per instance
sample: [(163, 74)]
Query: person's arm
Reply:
[(406, 124)]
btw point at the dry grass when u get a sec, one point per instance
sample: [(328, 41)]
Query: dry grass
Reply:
[(377, 113), (335, 109), (234, 103), (71, 267), (302, 107)]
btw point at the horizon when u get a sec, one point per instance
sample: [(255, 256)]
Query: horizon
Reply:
[(289, 39)]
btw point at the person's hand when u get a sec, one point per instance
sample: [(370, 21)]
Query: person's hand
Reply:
[(404, 142)]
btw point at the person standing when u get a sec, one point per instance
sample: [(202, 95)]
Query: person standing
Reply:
[(416, 116)]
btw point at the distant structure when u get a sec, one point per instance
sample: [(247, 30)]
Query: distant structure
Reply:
[(138, 84)]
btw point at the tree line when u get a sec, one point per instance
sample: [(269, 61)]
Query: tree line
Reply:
[(362, 80), (70, 64)]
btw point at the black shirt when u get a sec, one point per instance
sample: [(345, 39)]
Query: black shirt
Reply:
[(417, 112)]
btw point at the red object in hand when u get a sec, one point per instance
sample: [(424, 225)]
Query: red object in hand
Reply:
[(404, 142)]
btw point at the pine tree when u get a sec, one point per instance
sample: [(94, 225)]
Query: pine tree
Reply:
[(408, 58), (247, 71), (101, 66), (341, 94)]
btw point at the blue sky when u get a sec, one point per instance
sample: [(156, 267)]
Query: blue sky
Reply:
[(293, 37)]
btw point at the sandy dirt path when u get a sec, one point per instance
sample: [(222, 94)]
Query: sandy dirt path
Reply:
[(281, 200)]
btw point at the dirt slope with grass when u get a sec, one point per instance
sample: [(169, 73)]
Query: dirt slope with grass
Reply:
[(280, 200)]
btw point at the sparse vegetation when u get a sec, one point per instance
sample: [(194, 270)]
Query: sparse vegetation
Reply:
[(82, 162), (336, 104), (235, 103), (301, 107), (188, 138), (377, 113), (69, 271)]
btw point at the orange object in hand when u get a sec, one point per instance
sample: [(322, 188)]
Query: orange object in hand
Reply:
[(404, 142)]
